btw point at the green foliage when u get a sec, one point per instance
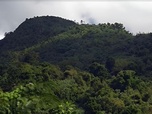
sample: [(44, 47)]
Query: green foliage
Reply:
[(72, 91), (99, 70), (66, 108), (50, 65), (125, 79), (110, 62)]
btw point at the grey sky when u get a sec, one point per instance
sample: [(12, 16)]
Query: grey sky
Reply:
[(135, 15)]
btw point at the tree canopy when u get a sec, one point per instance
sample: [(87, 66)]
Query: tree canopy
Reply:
[(50, 65)]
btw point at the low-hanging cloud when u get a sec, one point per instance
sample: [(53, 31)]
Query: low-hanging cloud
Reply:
[(136, 16)]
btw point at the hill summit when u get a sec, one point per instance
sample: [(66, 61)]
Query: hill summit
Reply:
[(33, 31)]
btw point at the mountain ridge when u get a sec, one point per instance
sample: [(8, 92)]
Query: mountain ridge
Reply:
[(61, 67), (68, 43)]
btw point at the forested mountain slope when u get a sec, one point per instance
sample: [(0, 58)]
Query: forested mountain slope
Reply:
[(63, 42), (33, 31), (50, 65)]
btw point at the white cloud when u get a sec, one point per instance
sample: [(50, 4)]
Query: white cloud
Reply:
[(136, 16), (1, 36)]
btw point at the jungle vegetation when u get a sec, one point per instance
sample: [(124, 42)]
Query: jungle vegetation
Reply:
[(51, 65)]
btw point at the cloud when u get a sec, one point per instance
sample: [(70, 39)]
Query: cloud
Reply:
[(136, 16)]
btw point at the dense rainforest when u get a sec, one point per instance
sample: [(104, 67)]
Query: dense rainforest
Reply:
[(51, 65)]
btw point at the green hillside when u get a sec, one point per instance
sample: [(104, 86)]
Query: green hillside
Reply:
[(50, 65), (33, 31)]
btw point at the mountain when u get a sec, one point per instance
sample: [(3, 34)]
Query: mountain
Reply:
[(57, 39), (63, 42), (34, 31), (51, 65)]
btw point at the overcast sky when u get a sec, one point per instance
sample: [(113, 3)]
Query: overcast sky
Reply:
[(135, 15)]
